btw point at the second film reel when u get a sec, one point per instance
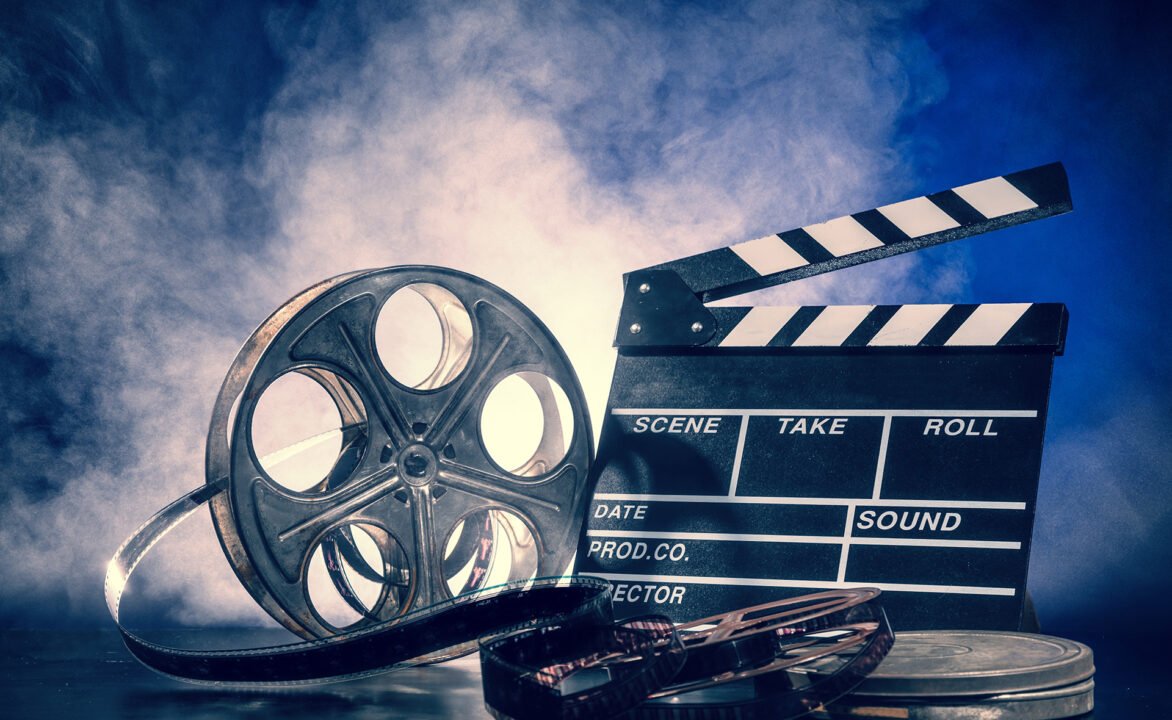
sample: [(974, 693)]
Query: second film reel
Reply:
[(743, 664)]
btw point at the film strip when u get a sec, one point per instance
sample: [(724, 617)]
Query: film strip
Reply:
[(535, 634), (735, 665), (820, 447)]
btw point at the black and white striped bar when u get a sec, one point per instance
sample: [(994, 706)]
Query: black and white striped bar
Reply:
[(865, 236), (893, 326)]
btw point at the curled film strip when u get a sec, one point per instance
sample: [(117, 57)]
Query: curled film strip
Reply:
[(735, 665), (403, 502), (546, 672)]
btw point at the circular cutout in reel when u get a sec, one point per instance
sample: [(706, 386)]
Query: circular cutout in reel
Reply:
[(401, 498)]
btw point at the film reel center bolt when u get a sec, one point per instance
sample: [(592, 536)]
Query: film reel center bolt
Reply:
[(417, 465)]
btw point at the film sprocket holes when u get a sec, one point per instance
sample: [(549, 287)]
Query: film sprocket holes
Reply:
[(429, 539), (752, 453)]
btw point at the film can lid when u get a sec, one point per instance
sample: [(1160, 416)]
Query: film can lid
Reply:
[(951, 663)]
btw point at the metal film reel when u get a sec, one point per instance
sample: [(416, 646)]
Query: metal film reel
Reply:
[(760, 640), (748, 663), (412, 492)]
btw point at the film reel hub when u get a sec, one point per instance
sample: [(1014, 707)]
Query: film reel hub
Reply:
[(419, 463)]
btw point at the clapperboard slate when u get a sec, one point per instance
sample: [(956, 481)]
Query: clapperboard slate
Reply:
[(754, 453)]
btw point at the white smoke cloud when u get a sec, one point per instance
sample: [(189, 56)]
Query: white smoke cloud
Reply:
[(546, 149), (479, 142)]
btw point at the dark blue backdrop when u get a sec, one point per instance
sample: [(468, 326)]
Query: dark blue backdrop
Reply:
[(187, 104)]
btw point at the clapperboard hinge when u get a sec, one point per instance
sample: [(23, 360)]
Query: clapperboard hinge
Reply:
[(664, 305)]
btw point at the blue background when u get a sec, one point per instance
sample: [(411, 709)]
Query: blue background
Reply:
[(188, 105)]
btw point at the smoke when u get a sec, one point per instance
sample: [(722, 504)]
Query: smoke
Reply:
[(552, 149), (546, 149), (1100, 527)]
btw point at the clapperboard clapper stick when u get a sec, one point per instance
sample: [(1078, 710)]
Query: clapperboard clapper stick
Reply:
[(753, 453)]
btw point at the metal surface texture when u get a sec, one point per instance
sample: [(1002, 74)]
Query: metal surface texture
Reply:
[(751, 641), (413, 478), (735, 665), (849, 627), (1051, 704), (944, 663), (565, 671)]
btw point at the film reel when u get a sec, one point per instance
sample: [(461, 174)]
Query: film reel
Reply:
[(743, 664), (409, 498), (753, 641)]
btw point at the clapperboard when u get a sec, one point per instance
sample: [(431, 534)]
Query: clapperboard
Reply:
[(754, 453)]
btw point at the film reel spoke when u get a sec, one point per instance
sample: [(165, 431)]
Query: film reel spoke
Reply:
[(390, 414), (294, 516), (291, 526), (494, 487), (487, 538), (455, 540), (427, 591), (466, 395), (504, 346)]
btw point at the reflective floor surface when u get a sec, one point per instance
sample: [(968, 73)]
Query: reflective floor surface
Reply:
[(89, 674)]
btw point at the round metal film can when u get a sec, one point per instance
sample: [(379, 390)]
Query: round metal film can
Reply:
[(1051, 704), (976, 675), (945, 663)]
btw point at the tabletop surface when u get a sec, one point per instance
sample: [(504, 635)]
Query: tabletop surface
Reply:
[(88, 673)]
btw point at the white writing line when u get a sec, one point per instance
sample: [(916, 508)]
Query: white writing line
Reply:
[(805, 539), (813, 584), (846, 542), (736, 468), (724, 537), (853, 412), (766, 500)]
